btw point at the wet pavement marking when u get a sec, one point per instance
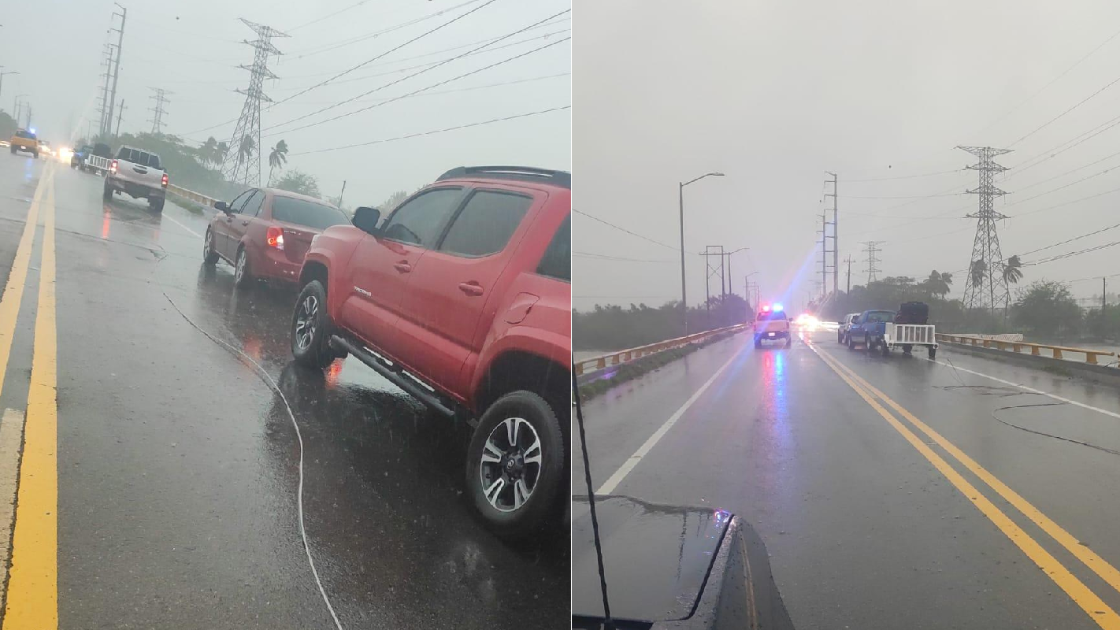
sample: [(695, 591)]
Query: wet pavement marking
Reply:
[(171, 219), (32, 598), (610, 484), (1081, 551), (17, 277), (11, 440), (1028, 389), (1093, 606)]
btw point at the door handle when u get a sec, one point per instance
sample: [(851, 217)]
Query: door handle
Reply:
[(229, 219), (244, 223), (403, 266), (471, 288)]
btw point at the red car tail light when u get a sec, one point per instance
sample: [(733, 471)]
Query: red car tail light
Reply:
[(275, 237), (165, 180), (113, 166)]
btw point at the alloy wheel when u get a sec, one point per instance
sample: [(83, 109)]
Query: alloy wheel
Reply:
[(511, 464)]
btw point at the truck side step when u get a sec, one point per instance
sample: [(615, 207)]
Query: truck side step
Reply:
[(394, 375)]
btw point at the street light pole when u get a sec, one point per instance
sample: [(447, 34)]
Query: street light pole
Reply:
[(684, 295), (2, 78)]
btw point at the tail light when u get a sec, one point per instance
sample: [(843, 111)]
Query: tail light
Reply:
[(113, 166), (275, 237), (165, 180)]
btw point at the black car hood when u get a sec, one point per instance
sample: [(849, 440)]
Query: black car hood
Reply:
[(656, 557)]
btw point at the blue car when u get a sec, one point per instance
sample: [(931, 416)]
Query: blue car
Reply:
[(868, 329)]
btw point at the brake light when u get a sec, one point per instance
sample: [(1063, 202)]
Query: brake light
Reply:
[(275, 237), (165, 180), (113, 166)]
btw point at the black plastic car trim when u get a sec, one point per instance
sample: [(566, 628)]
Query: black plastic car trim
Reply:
[(394, 375), (519, 173)]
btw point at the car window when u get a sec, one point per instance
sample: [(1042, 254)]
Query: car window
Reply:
[(772, 316), (557, 259), (485, 225), (239, 201), (252, 206), (25, 134), (308, 213), (124, 153), (880, 316), (420, 219)]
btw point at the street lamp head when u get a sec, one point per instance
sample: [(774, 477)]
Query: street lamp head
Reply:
[(716, 174)]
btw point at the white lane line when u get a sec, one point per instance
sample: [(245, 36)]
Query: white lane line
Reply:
[(1028, 389), (173, 220), (644, 449), (11, 439)]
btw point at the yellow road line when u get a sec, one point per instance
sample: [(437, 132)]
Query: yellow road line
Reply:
[(33, 580), (1082, 552), (17, 277), (1093, 606)]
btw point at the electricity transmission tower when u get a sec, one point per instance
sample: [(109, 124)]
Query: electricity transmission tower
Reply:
[(160, 97), (242, 163), (835, 233), (871, 249), (985, 286), (104, 126), (116, 68)]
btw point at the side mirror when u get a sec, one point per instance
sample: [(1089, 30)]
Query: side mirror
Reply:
[(221, 206), (366, 219)]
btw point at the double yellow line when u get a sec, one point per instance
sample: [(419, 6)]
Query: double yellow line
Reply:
[(1097, 610), (32, 593)]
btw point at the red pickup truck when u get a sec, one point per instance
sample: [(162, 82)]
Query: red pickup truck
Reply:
[(462, 298)]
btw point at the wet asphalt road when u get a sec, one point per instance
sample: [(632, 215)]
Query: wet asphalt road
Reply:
[(863, 530), (178, 466)]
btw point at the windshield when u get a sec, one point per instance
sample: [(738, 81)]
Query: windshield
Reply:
[(300, 212), (771, 316), (879, 316), (225, 406)]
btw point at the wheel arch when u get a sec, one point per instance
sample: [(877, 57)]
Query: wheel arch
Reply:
[(518, 370)]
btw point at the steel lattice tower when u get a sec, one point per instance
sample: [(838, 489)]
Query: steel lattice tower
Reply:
[(160, 97), (238, 167), (992, 288), (872, 260)]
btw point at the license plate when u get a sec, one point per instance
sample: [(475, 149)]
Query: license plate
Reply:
[(769, 334)]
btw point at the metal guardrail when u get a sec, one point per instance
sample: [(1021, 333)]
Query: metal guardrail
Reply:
[(1016, 346), (192, 195), (626, 356)]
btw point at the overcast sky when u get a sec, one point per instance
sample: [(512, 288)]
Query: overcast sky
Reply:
[(776, 93), (193, 49)]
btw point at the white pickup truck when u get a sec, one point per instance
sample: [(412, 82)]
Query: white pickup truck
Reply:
[(138, 173), (771, 324)]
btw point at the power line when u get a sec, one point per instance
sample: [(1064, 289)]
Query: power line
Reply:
[(622, 229), (595, 256), (315, 50), (1047, 192), (1076, 238), (403, 96), (437, 131), (360, 65), (1079, 104), (1067, 203), (885, 179), (1052, 153), (908, 196), (329, 15), (428, 69), (1073, 170)]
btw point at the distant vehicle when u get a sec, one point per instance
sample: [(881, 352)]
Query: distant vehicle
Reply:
[(868, 327), (807, 321), (138, 173), (771, 324), (45, 147), (265, 232), (462, 298), (845, 326), (78, 155), (25, 140)]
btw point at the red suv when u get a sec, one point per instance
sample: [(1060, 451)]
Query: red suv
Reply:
[(462, 298), (264, 233)]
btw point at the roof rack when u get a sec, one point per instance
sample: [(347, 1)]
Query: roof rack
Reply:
[(519, 173)]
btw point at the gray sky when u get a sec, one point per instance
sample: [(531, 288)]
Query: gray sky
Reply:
[(775, 93), (193, 49)]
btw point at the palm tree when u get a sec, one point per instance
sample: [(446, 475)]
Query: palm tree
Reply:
[(220, 152), (246, 149), (277, 158), (938, 283), (1012, 270), (977, 270), (208, 150)]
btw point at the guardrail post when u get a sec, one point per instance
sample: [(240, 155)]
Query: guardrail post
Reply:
[(1034, 351), (1091, 358), (1057, 353)]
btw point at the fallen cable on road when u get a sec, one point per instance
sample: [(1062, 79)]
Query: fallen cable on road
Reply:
[(268, 380)]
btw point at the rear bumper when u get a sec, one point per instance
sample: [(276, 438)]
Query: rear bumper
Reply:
[(274, 265), (135, 190), (20, 147)]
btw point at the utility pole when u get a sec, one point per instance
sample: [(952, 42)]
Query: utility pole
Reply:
[(28, 125), (2, 77), (116, 63), (849, 289), (119, 115), (986, 254), (835, 232), (244, 166), (341, 194), (871, 250), (1104, 295), (160, 97), (103, 128)]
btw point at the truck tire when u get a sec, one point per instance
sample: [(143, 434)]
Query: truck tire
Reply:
[(885, 348), (932, 353), (758, 342), (13, 147), (906, 349), (107, 192), (789, 341), (209, 256), (311, 327), (155, 204), (512, 493), (851, 343)]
